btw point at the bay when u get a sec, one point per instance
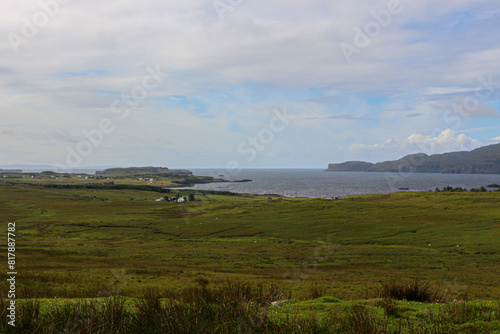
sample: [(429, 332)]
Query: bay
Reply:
[(316, 183)]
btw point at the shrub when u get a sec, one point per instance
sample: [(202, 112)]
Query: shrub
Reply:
[(411, 291)]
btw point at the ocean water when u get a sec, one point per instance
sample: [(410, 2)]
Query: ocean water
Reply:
[(318, 183)]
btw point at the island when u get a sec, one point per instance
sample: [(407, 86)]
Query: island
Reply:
[(144, 170)]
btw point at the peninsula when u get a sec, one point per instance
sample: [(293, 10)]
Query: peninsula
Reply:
[(483, 160)]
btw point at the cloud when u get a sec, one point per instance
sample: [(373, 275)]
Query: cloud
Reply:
[(327, 99), (480, 129), (390, 143), (418, 114), (447, 141), (65, 78), (446, 90), (347, 117)]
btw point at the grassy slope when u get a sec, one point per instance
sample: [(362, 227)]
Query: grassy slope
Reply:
[(123, 240)]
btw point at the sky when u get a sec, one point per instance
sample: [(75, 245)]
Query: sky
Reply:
[(245, 84)]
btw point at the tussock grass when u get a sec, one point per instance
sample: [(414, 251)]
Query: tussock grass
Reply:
[(391, 308), (361, 320), (415, 290), (316, 291), (462, 312), (230, 308), (153, 313)]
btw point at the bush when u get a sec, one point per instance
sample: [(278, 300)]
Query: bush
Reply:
[(412, 291)]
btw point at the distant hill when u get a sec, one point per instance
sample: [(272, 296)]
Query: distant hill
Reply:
[(10, 170), (483, 160), (143, 170)]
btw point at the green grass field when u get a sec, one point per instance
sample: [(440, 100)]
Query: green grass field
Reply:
[(74, 242)]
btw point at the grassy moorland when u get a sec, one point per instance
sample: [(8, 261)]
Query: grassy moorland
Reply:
[(326, 258)]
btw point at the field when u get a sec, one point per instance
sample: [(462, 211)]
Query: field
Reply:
[(322, 256)]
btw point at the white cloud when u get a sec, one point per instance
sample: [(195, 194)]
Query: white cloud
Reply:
[(447, 141), (446, 90), (390, 143), (281, 52)]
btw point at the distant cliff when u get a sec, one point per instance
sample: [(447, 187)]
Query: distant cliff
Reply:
[(484, 160)]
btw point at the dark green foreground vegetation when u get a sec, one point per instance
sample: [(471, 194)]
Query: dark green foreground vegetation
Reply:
[(240, 308), (220, 262)]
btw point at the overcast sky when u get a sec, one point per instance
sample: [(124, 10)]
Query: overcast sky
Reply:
[(246, 83)]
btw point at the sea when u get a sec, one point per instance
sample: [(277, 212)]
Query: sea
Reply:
[(317, 183)]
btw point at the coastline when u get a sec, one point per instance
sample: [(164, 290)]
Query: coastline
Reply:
[(315, 183)]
